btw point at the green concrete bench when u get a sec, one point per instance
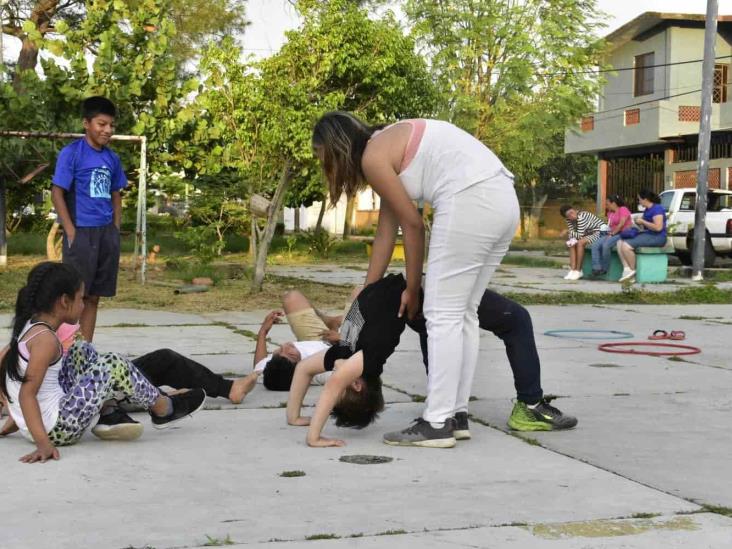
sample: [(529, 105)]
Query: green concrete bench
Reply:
[(651, 264)]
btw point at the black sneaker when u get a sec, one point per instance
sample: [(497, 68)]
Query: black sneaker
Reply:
[(184, 405), (117, 425), (421, 433), (462, 428)]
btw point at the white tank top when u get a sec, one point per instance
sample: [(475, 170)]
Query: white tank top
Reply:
[(449, 160), (49, 393)]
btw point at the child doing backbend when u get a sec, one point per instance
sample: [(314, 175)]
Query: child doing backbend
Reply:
[(53, 399)]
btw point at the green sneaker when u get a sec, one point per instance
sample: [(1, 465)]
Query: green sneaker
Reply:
[(543, 417)]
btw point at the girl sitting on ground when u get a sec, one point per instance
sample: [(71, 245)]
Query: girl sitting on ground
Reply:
[(52, 399), (652, 225), (618, 220), (583, 229)]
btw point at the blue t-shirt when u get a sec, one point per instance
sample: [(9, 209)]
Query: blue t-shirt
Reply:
[(653, 211), (90, 177)]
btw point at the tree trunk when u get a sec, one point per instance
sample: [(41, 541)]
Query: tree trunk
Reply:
[(321, 214), (253, 240), (350, 205), (297, 219), (3, 237), (263, 246), (41, 16), (537, 209)]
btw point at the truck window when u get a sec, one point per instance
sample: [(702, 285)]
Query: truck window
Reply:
[(688, 202), (723, 203), (666, 199)]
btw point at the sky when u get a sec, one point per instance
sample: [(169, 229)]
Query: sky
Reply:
[(270, 19)]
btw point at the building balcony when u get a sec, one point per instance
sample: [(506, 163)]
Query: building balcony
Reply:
[(643, 126)]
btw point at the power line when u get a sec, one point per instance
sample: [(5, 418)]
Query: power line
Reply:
[(599, 71), (646, 102)]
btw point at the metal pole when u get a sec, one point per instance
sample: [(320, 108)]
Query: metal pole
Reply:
[(3, 241), (142, 205), (705, 137)]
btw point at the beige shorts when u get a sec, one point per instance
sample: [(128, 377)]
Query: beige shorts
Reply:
[(306, 325)]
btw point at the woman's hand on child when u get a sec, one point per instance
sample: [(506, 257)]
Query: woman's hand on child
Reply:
[(43, 453), (323, 442), (410, 304), (302, 421)]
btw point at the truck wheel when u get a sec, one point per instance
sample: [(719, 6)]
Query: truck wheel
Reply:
[(684, 257), (709, 255)]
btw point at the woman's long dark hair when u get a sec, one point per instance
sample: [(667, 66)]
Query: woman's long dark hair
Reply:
[(648, 194), (342, 139), (46, 283), (617, 200)]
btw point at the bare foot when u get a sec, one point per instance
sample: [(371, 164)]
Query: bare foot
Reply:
[(242, 386)]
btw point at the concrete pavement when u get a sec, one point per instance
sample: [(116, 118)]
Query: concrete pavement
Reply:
[(648, 458)]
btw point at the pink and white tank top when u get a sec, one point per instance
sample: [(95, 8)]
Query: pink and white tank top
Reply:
[(441, 160)]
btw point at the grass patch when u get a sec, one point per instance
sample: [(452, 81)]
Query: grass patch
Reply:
[(322, 536), (418, 398), (683, 296), (292, 474), (531, 261), (218, 542), (645, 515), (232, 292), (718, 510), (392, 533)]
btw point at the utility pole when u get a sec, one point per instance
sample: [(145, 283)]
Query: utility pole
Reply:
[(705, 137)]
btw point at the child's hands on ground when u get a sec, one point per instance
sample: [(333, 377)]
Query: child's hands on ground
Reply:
[(323, 442), (330, 336), (302, 421), (43, 453)]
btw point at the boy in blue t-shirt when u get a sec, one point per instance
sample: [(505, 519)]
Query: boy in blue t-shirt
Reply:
[(86, 194)]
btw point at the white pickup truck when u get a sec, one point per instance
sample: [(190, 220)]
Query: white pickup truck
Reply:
[(680, 203)]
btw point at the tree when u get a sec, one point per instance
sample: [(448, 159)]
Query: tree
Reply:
[(257, 117), (198, 22), (515, 73)]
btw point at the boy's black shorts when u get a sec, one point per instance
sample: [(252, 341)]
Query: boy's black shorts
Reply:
[(95, 254)]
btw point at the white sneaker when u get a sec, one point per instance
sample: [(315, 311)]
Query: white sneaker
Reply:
[(574, 275), (627, 275), (578, 275), (568, 276)]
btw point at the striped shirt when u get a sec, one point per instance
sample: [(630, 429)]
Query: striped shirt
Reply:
[(586, 224)]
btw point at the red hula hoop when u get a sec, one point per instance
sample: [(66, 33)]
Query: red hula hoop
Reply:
[(620, 348)]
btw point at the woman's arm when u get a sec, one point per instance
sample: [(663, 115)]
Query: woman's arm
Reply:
[(655, 225), (43, 351), (348, 371), (385, 181), (621, 223), (386, 232), (305, 371)]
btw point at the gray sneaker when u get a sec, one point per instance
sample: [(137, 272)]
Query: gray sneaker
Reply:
[(462, 428), (422, 434)]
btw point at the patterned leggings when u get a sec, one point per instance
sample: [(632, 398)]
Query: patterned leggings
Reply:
[(89, 379)]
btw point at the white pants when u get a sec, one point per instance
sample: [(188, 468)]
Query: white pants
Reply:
[(471, 232)]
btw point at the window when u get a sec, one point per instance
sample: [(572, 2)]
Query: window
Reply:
[(643, 74), (588, 123), (719, 92), (632, 117), (688, 202)]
